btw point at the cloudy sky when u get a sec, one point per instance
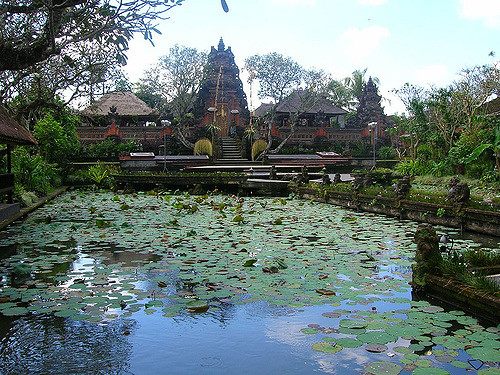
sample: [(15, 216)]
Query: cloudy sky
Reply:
[(424, 42)]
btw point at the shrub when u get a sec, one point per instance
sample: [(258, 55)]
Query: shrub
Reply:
[(258, 147), (57, 141), (33, 173), (203, 147), (100, 174), (412, 167), (387, 153)]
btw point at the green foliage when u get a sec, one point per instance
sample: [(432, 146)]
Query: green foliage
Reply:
[(258, 147), (387, 153), (456, 266), (412, 167), (278, 75), (108, 148), (26, 198), (57, 140), (360, 149), (33, 173), (100, 174), (203, 147), (481, 258)]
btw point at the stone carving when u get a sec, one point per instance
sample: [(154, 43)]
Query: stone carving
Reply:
[(337, 179), (272, 173), (428, 257), (403, 186), (459, 192)]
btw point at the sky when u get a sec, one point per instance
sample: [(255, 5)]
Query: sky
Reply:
[(422, 42)]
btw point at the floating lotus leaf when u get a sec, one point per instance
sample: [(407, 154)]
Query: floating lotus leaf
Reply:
[(484, 354), (376, 337), (460, 364), (197, 306), (15, 310), (423, 363), (402, 350), (489, 371), (349, 343), (309, 331), (66, 313), (429, 371), (383, 367), (352, 324), (327, 347)]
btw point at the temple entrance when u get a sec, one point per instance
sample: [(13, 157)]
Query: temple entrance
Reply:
[(221, 117)]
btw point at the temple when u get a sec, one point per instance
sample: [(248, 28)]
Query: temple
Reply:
[(221, 100)]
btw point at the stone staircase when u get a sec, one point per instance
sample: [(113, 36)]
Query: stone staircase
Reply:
[(230, 152)]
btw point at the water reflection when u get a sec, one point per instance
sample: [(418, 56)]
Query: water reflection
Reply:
[(42, 344)]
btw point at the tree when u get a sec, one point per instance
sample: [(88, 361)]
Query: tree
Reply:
[(176, 79), (473, 90), (80, 75), (278, 76), (357, 82), (34, 30), (339, 94), (56, 136), (444, 115), (493, 146), (414, 128)]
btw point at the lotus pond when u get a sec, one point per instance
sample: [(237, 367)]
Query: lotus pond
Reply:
[(99, 283)]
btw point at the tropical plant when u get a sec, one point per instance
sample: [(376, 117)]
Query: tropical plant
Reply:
[(33, 173), (203, 147), (387, 153), (57, 141), (99, 172), (493, 146), (412, 167), (258, 147)]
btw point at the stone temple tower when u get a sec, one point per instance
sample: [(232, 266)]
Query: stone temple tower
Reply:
[(221, 98), (370, 109)]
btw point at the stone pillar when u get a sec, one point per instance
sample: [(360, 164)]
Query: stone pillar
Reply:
[(428, 257)]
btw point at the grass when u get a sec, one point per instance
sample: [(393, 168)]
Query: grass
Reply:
[(458, 267)]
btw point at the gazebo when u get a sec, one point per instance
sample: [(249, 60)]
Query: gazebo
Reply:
[(11, 134)]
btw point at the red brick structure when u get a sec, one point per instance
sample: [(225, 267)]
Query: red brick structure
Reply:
[(221, 99), (122, 116)]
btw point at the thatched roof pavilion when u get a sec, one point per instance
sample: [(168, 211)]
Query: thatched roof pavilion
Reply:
[(124, 104), (11, 134)]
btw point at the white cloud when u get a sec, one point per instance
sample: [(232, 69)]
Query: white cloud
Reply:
[(372, 2), (434, 74), (360, 43), (487, 11)]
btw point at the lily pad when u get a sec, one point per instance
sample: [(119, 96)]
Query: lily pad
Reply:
[(383, 367), (429, 371), (327, 347)]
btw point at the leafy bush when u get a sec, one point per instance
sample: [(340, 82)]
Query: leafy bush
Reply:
[(360, 149), (33, 173), (257, 148), (109, 148), (440, 169), (100, 174), (412, 167), (387, 153), (26, 198), (57, 141), (203, 147)]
